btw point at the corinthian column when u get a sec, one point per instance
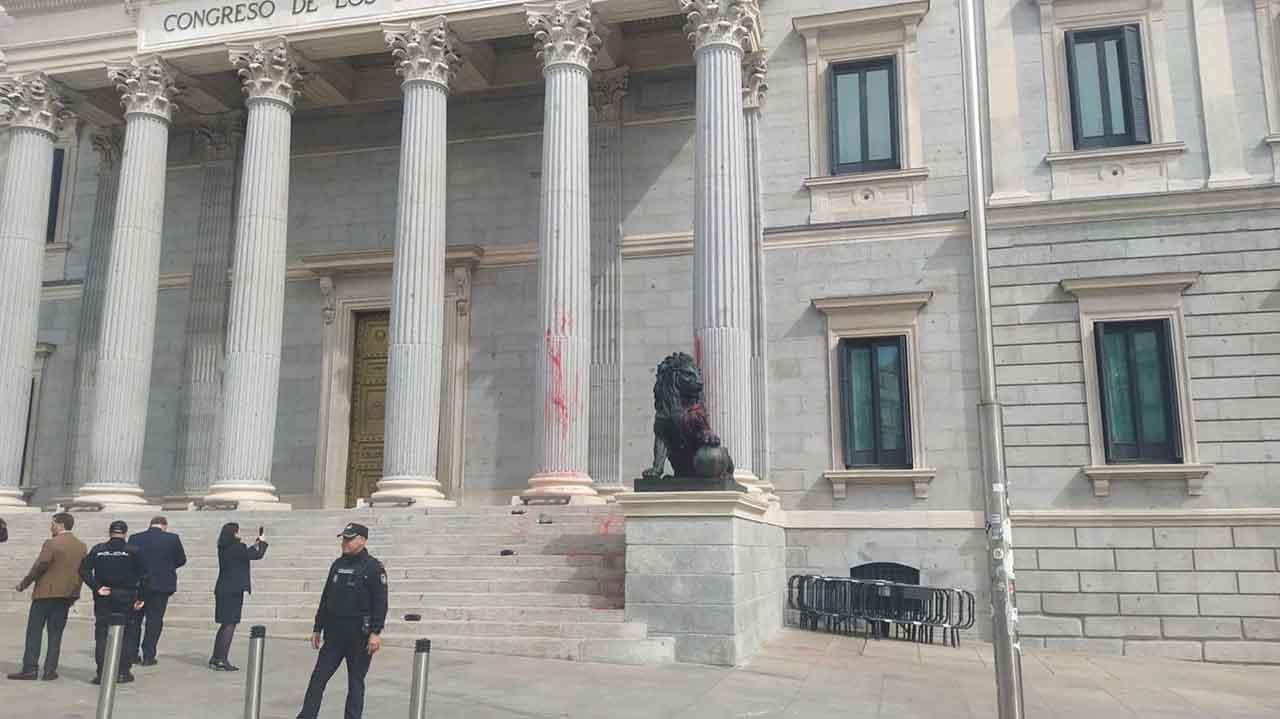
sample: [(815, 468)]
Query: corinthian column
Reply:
[(218, 142), (255, 324), (719, 32), (607, 90), (108, 144), (754, 67), (425, 58), (566, 38), (127, 333), (35, 114)]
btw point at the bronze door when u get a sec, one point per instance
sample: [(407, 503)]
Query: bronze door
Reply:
[(368, 404)]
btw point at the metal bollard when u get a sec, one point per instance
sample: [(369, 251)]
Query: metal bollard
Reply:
[(111, 665), (418, 695), (253, 677)]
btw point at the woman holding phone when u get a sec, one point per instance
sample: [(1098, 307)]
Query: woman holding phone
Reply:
[(228, 591)]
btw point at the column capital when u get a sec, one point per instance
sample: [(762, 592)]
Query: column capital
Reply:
[(608, 87), (268, 69), (218, 138), (564, 32), (755, 66), (108, 142), (425, 50), (32, 100), (146, 86), (722, 22)]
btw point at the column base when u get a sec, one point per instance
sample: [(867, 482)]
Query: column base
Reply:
[(115, 497), (559, 488), (610, 492), (424, 491), (12, 502), (761, 488), (248, 496)]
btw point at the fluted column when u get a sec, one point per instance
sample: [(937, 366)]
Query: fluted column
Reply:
[(425, 58), (566, 38), (754, 68), (719, 32), (35, 113), (255, 323), (218, 142), (127, 333), (108, 144), (608, 87)]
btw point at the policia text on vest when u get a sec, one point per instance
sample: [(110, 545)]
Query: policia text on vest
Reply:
[(353, 610)]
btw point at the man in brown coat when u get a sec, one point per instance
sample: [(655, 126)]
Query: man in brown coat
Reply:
[(56, 575)]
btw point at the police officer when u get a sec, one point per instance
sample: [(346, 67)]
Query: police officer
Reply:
[(353, 610), (115, 573)]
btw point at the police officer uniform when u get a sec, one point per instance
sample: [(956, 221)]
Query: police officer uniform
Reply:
[(353, 605), (117, 565)]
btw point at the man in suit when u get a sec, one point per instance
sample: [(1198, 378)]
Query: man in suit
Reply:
[(162, 555), (57, 579)]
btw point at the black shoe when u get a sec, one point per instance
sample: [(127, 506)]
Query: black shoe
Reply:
[(96, 680), (49, 676), (124, 678), (149, 661), (25, 676)]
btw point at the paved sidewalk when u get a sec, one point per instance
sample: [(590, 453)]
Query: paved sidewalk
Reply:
[(800, 675)]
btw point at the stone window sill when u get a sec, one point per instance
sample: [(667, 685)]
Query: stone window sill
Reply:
[(919, 479), (867, 195), (1127, 152), (1102, 475)]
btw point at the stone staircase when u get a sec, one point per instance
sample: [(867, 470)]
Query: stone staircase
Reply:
[(559, 596)]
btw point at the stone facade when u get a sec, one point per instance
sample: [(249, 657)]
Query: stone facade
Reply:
[(1174, 560)]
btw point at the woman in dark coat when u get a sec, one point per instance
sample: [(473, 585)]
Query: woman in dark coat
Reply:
[(228, 592)]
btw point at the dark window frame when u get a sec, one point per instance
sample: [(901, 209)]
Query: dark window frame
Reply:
[(1133, 89), (55, 194), (1140, 453), (881, 458), (861, 67)]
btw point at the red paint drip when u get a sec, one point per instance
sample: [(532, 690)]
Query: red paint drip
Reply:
[(697, 350), (557, 409)]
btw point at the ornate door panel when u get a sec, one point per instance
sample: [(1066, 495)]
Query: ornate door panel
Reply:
[(368, 404)]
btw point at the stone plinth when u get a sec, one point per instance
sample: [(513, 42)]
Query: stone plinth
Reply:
[(707, 568)]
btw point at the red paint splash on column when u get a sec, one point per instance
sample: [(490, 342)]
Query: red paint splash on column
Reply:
[(697, 350), (557, 410)]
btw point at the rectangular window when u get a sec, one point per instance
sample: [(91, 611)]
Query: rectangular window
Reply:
[(864, 116), (55, 195), (1139, 415), (873, 398), (1108, 90)]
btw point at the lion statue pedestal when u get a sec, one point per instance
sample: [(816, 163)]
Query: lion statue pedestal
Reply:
[(682, 435)]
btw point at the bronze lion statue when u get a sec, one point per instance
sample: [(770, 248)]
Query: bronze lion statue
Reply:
[(682, 433)]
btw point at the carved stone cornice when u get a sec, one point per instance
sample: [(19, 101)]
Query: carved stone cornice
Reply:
[(608, 87), (425, 51), (31, 100), (146, 85), (218, 139), (722, 22), (564, 31), (109, 144), (755, 66), (268, 70)]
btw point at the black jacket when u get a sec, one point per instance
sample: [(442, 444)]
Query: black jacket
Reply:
[(118, 565), (162, 554), (355, 588), (233, 566)]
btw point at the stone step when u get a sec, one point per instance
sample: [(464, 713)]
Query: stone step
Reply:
[(397, 611), (17, 566), (202, 578), (12, 601)]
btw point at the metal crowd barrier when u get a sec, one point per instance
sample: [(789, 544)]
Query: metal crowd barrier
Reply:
[(838, 605)]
